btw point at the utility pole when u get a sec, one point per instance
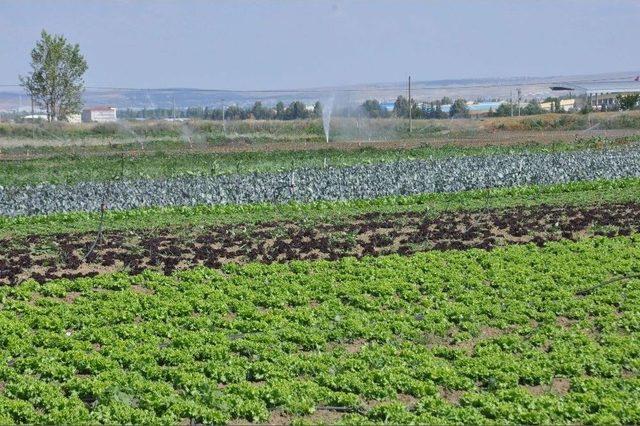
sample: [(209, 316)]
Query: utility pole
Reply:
[(511, 100), (410, 127), (224, 129), (519, 97), (33, 129)]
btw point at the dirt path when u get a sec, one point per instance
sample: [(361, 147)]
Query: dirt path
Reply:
[(67, 255)]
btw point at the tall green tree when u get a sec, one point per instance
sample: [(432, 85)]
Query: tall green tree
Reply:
[(533, 108), (55, 82), (259, 112), (317, 109), (296, 110), (459, 109), (280, 111), (628, 102), (373, 109), (401, 107)]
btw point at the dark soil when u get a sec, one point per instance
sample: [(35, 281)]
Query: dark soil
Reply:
[(67, 255)]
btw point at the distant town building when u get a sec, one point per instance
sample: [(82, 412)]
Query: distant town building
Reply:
[(101, 114), (35, 117), (565, 104), (599, 95)]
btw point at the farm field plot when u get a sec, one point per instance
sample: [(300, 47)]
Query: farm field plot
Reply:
[(66, 246), (187, 239), (496, 305), (76, 255), (519, 334)]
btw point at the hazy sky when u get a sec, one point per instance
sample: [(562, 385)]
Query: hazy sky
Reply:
[(266, 44)]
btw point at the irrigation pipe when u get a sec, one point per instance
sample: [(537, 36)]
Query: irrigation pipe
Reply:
[(590, 290), (340, 409)]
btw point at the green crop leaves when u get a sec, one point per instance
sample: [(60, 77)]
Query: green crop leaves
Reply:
[(439, 337)]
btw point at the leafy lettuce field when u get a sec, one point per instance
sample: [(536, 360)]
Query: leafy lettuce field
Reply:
[(520, 334)]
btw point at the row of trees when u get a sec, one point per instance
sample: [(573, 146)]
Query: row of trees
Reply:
[(294, 111), (507, 109), (458, 108), (371, 108)]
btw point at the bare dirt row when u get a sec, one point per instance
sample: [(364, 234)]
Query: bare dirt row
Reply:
[(76, 255)]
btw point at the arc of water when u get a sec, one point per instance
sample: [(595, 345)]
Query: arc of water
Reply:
[(326, 116)]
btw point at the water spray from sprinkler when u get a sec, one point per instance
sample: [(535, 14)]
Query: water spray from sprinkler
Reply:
[(326, 116)]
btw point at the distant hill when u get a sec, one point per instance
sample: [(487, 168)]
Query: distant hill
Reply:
[(471, 89)]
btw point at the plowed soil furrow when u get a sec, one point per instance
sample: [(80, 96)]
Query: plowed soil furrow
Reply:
[(68, 255)]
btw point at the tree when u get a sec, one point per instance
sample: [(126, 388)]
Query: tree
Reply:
[(401, 108), (445, 101), (372, 108), (628, 102), (280, 111), (533, 108), (55, 82), (459, 109), (557, 106), (234, 112), (317, 109), (437, 112), (296, 110), (503, 110), (258, 111)]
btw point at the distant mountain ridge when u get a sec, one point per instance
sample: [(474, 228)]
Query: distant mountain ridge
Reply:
[(180, 98)]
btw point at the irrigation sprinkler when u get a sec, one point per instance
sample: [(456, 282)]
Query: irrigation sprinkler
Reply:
[(125, 126), (99, 237)]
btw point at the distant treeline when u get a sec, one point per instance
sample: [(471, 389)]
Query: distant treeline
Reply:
[(294, 111), (456, 109), (371, 108)]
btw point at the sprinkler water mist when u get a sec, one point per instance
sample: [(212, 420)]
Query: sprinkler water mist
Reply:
[(326, 117)]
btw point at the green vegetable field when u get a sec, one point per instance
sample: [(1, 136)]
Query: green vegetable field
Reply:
[(518, 334), (503, 305), (422, 226)]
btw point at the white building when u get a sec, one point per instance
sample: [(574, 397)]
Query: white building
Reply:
[(74, 118), (35, 117), (101, 114), (599, 94)]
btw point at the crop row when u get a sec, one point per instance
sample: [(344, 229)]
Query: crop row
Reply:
[(164, 162), (74, 255), (520, 334), (574, 193), (362, 181)]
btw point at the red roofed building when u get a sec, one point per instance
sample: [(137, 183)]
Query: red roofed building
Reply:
[(100, 114)]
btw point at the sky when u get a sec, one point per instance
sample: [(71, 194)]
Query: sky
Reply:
[(292, 44)]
